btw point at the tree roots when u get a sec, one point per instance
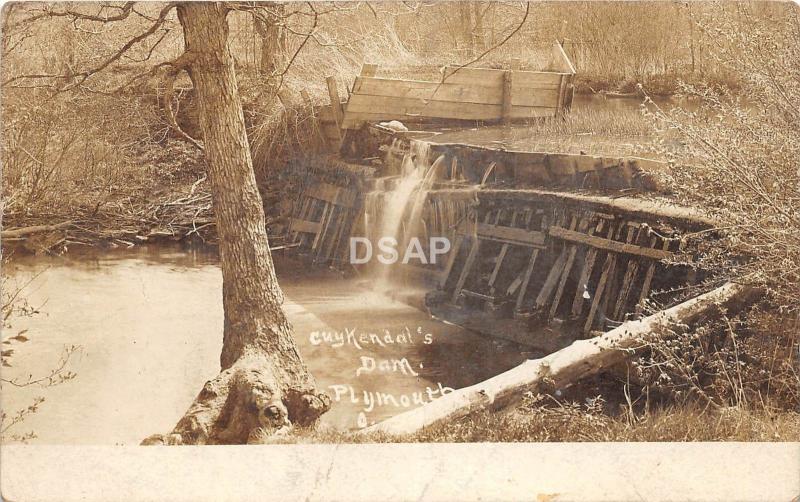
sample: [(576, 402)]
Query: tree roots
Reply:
[(245, 404)]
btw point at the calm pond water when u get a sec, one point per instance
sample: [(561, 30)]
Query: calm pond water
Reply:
[(149, 324)]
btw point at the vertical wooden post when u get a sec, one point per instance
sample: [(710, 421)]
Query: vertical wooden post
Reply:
[(507, 91), (336, 103), (369, 70), (473, 254), (562, 91)]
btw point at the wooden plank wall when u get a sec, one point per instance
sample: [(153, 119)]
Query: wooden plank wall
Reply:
[(481, 94), (322, 221), (532, 259)]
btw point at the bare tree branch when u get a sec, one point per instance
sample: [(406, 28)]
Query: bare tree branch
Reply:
[(84, 75)]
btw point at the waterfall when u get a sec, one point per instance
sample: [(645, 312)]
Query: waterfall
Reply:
[(395, 206)]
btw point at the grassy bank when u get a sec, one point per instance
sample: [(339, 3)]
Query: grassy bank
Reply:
[(585, 422), (660, 84)]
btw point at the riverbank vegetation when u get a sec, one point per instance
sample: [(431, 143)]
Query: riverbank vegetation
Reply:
[(100, 151)]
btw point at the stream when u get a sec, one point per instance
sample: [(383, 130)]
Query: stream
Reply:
[(148, 323)]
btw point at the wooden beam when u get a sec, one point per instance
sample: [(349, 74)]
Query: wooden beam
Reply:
[(608, 244), (567, 268), (451, 259), (336, 102), (326, 213), (502, 255), (608, 269), (526, 279), (586, 271), (555, 272), (511, 235), (333, 194), (631, 271), (507, 94), (362, 108), (466, 269), (304, 226), (648, 278), (489, 77), (452, 92)]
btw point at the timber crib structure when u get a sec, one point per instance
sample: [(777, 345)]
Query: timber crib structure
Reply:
[(545, 247)]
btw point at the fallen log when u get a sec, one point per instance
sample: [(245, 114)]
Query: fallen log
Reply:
[(566, 366), (22, 232)]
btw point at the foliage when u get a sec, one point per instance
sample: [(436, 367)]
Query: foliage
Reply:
[(741, 152), (13, 304)]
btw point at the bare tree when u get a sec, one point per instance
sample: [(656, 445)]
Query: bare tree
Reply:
[(264, 385)]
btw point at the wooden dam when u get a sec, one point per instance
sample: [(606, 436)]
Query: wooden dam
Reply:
[(545, 247)]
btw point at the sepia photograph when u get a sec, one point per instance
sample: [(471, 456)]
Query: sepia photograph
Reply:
[(399, 226)]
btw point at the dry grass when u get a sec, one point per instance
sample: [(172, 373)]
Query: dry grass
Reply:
[(571, 422)]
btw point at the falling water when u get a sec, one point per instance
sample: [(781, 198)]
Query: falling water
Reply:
[(397, 212)]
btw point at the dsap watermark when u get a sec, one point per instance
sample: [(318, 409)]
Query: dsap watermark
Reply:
[(361, 250)]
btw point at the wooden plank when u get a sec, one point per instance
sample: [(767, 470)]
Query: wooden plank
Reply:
[(304, 226), (611, 292), (608, 269), (561, 94), (340, 221), (527, 279), (648, 278), (333, 194), (550, 282), (466, 269), (330, 233), (631, 270), (586, 272), (608, 244), (323, 236), (490, 77), (336, 102), (326, 210), (364, 107), (507, 95), (529, 212), (502, 255), (511, 235), (460, 93), (554, 274), (451, 259), (354, 120), (567, 268)]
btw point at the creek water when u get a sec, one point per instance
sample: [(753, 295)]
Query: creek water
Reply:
[(149, 325)]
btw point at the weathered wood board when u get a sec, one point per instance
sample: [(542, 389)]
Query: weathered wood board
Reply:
[(482, 94)]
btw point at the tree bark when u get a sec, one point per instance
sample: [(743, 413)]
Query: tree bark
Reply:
[(264, 386), (273, 40), (566, 366)]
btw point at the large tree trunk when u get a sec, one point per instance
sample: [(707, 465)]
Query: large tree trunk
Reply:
[(264, 386)]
